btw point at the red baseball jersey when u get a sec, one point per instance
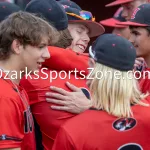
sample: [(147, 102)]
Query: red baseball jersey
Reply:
[(50, 120), (16, 124), (97, 130)]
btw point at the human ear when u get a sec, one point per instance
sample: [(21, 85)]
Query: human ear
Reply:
[(16, 46)]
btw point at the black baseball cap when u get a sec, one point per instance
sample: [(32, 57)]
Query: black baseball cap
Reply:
[(140, 17), (6, 9), (50, 10), (117, 18), (86, 18), (68, 3), (118, 2), (113, 51)]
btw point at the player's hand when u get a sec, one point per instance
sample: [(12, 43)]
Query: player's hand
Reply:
[(74, 102), (139, 64)]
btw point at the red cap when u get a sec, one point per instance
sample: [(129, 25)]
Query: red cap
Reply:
[(113, 22), (140, 17), (118, 2), (130, 23)]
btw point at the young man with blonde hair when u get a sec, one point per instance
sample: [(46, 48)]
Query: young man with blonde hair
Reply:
[(121, 110)]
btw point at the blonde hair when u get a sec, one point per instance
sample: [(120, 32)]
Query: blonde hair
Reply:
[(112, 95)]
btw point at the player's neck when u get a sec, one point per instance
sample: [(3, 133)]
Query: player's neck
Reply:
[(147, 60), (12, 69)]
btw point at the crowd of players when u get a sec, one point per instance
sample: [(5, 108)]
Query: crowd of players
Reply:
[(74, 111)]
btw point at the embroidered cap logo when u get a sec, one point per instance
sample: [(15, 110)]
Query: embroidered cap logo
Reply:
[(118, 12), (134, 13), (65, 6)]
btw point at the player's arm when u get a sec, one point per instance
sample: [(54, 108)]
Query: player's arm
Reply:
[(11, 132), (63, 141)]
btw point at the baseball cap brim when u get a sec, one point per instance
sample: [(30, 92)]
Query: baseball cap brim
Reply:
[(111, 22), (130, 23), (95, 28), (118, 2)]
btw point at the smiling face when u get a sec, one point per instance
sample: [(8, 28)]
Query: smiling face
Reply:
[(33, 56), (80, 37), (140, 38)]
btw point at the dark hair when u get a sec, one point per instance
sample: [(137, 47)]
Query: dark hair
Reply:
[(146, 28), (27, 28), (65, 39)]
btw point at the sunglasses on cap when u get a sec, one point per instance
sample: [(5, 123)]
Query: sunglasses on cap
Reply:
[(84, 15)]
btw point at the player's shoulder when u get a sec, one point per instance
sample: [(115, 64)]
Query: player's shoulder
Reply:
[(146, 100), (86, 119), (6, 89), (84, 124), (8, 93)]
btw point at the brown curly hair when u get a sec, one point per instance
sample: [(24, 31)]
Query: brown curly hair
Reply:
[(65, 39), (27, 28)]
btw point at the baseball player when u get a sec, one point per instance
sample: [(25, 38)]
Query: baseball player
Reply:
[(23, 48), (65, 60), (117, 29), (121, 118), (139, 25), (128, 6), (81, 24)]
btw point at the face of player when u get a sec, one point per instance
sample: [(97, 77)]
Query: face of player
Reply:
[(141, 41), (124, 32), (129, 8), (33, 56), (80, 37)]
